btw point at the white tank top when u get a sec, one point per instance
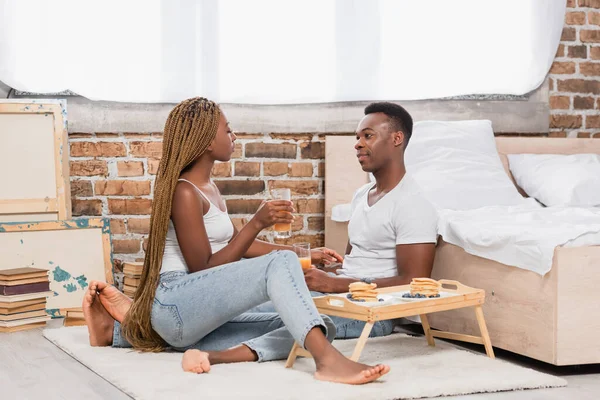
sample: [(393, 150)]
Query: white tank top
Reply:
[(218, 228)]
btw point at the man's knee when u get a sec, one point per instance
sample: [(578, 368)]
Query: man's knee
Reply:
[(330, 326)]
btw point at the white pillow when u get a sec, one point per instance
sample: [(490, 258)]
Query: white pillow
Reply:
[(558, 180), (457, 165)]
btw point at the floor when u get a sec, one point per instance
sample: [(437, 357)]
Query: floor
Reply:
[(29, 365)]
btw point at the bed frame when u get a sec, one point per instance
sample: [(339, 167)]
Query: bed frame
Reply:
[(549, 318)]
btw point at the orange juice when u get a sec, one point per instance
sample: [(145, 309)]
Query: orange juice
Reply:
[(302, 250), (283, 227), (305, 263)]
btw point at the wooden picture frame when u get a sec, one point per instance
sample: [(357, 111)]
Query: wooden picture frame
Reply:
[(75, 252), (34, 160)]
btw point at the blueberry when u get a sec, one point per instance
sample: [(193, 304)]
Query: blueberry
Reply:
[(361, 300), (406, 295), (349, 295), (437, 295), (380, 299)]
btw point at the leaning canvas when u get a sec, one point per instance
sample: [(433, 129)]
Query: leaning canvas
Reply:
[(75, 252), (34, 158)]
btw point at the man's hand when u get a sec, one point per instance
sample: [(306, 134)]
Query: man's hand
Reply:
[(318, 281), (325, 256)]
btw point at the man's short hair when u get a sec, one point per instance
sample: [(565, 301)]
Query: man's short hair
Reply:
[(400, 119)]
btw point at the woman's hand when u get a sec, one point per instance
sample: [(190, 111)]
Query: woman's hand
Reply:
[(273, 212), (325, 256)]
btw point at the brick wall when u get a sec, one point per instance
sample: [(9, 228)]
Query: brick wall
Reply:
[(575, 74), (112, 175)]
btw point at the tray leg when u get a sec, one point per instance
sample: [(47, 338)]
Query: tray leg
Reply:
[(427, 329), (292, 357), (361, 341), (484, 332)]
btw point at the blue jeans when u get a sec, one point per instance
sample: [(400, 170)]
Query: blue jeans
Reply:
[(345, 328), (207, 310)]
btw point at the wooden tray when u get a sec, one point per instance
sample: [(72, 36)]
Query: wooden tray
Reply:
[(461, 296)]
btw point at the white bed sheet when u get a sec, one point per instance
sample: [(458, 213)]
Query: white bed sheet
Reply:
[(523, 237)]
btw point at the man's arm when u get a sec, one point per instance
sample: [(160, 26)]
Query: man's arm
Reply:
[(412, 260)]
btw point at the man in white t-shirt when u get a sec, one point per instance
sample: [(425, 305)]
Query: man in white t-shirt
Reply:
[(393, 228)]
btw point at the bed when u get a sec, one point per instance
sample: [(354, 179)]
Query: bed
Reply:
[(551, 318)]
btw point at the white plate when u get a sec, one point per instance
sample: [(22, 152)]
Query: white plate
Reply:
[(398, 296), (387, 300)]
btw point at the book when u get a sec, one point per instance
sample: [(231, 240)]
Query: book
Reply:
[(23, 281), (70, 321), (22, 327), (127, 288), (74, 318), (24, 289), (24, 321), (18, 316), (75, 314), (22, 273), (131, 281), (16, 310), (133, 268), (23, 303), (20, 297)]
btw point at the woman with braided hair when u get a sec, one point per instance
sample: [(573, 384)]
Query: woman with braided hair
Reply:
[(201, 275)]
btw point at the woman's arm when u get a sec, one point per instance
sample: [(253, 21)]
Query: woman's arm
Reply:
[(319, 255), (187, 215), (260, 247)]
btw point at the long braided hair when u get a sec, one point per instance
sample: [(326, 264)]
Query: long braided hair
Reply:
[(189, 130)]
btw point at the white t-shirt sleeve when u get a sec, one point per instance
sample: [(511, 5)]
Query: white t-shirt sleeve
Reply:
[(415, 221)]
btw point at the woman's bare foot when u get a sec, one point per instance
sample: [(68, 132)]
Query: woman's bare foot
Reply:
[(195, 361), (115, 302), (98, 320), (343, 370)]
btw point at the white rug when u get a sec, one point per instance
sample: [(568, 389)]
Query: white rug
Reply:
[(417, 370)]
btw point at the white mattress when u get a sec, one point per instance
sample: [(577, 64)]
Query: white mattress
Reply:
[(523, 237)]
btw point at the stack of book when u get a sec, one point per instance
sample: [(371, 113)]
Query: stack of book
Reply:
[(132, 273), (23, 293)]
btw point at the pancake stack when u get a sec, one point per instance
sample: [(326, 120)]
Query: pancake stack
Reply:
[(361, 291), (425, 287)]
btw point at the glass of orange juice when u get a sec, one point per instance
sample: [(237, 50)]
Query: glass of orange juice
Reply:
[(302, 250), (282, 231)]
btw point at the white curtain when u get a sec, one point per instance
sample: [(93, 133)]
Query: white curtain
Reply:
[(278, 51)]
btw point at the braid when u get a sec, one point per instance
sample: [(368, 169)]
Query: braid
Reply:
[(189, 130)]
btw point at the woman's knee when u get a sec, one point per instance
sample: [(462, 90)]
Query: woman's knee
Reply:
[(287, 258)]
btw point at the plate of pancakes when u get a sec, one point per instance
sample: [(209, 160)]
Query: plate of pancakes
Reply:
[(422, 289), (366, 294)]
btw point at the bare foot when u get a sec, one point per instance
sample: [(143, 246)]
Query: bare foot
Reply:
[(195, 361), (98, 320), (115, 302), (347, 371)]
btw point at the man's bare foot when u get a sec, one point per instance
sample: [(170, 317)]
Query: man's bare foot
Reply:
[(344, 370), (195, 361), (98, 320), (115, 302)]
